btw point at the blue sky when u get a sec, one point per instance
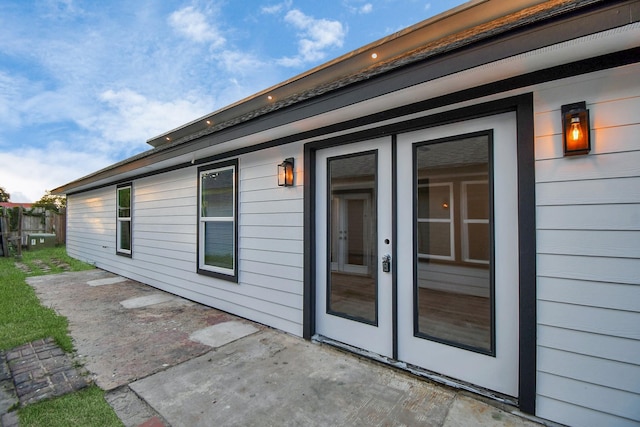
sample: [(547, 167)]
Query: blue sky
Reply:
[(83, 84)]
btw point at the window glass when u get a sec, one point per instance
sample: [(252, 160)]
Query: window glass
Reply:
[(477, 200), (434, 202), (217, 221), (123, 222), (217, 193), (453, 298), (125, 235), (434, 238), (478, 235), (435, 220), (124, 202), (218, 245), (352, 289)]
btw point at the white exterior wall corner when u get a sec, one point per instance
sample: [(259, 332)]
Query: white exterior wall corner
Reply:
[(164, 228), (588, 254)]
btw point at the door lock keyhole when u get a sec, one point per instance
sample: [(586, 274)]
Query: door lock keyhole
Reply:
[(386, 263)]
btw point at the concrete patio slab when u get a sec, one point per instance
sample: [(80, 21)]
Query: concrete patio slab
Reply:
[(467, 411), (151, 363), (270, 378), (147, 300), (223, 333), (131, 410), (107, 281), (119, 345)]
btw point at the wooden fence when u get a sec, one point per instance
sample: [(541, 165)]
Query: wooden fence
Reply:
[(17, 223)]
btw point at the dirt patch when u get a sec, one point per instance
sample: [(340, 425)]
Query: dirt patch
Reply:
[(60, 264), (23, 267)]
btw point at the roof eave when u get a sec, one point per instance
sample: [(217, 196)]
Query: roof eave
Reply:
[(396, 51)]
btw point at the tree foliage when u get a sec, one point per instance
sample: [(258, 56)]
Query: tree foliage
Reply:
[(4, 196), (51, 202)]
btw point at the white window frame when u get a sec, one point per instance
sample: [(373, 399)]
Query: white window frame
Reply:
[(466, 221), (450, 221), (120, 220), (230, 274)]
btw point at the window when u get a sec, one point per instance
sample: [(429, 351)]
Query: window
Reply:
[(123, 226), (435, 221), (217, 220), (475, 222)]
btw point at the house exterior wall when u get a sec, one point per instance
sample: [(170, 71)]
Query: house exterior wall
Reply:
[(588, 247), (164, 229), (588, 254)]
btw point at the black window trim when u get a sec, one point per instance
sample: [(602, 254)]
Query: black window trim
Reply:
[(120, 252), (210, 167)]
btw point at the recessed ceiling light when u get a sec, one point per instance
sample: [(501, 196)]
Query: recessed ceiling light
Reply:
[(208, 122), (374, 55), (270, 98)]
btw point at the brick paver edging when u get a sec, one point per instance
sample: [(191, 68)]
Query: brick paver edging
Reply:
[(41, 370)]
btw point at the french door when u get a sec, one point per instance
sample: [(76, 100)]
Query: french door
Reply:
[(456, 251), (353, 229)]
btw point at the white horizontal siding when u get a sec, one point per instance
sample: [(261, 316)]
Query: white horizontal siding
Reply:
[(611, 243), (608, 373), (164, 218), (581, 292), (619, 404), (91, 224), (609, 347), (588, 254)]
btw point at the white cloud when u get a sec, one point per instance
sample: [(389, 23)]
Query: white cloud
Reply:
[(361, 10), (367, 8), (427, 7), (316, 36), (276, 8), (47, 168), (10, 95), (193, 25), (132, 118), (60, 9), (236, 62)]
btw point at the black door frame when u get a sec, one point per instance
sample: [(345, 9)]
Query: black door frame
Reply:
[(522, 105)]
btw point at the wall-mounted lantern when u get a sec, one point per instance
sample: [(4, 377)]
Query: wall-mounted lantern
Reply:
[(285, 173), (575, 129)]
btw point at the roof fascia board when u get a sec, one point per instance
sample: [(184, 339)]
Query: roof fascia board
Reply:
[(559, 72)]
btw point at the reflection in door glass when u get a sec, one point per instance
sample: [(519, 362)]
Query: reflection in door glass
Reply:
[(352, 285), (453, 242)]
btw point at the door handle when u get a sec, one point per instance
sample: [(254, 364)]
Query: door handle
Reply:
[(386, 263)]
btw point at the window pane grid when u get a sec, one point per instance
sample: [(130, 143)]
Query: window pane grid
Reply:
[(123, 223), (435, 206), (217, 221)]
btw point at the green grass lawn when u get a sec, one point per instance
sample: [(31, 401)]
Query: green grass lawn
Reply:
[(23, 319), (83, 408)]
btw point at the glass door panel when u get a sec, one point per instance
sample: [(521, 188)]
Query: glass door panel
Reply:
[(457, 264), (352, 285), (453, 301), (353, 227)]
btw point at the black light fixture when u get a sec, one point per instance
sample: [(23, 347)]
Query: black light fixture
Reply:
[(575, 129), (285, 173)]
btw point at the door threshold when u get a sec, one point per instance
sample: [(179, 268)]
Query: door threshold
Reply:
[(420, 372)]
